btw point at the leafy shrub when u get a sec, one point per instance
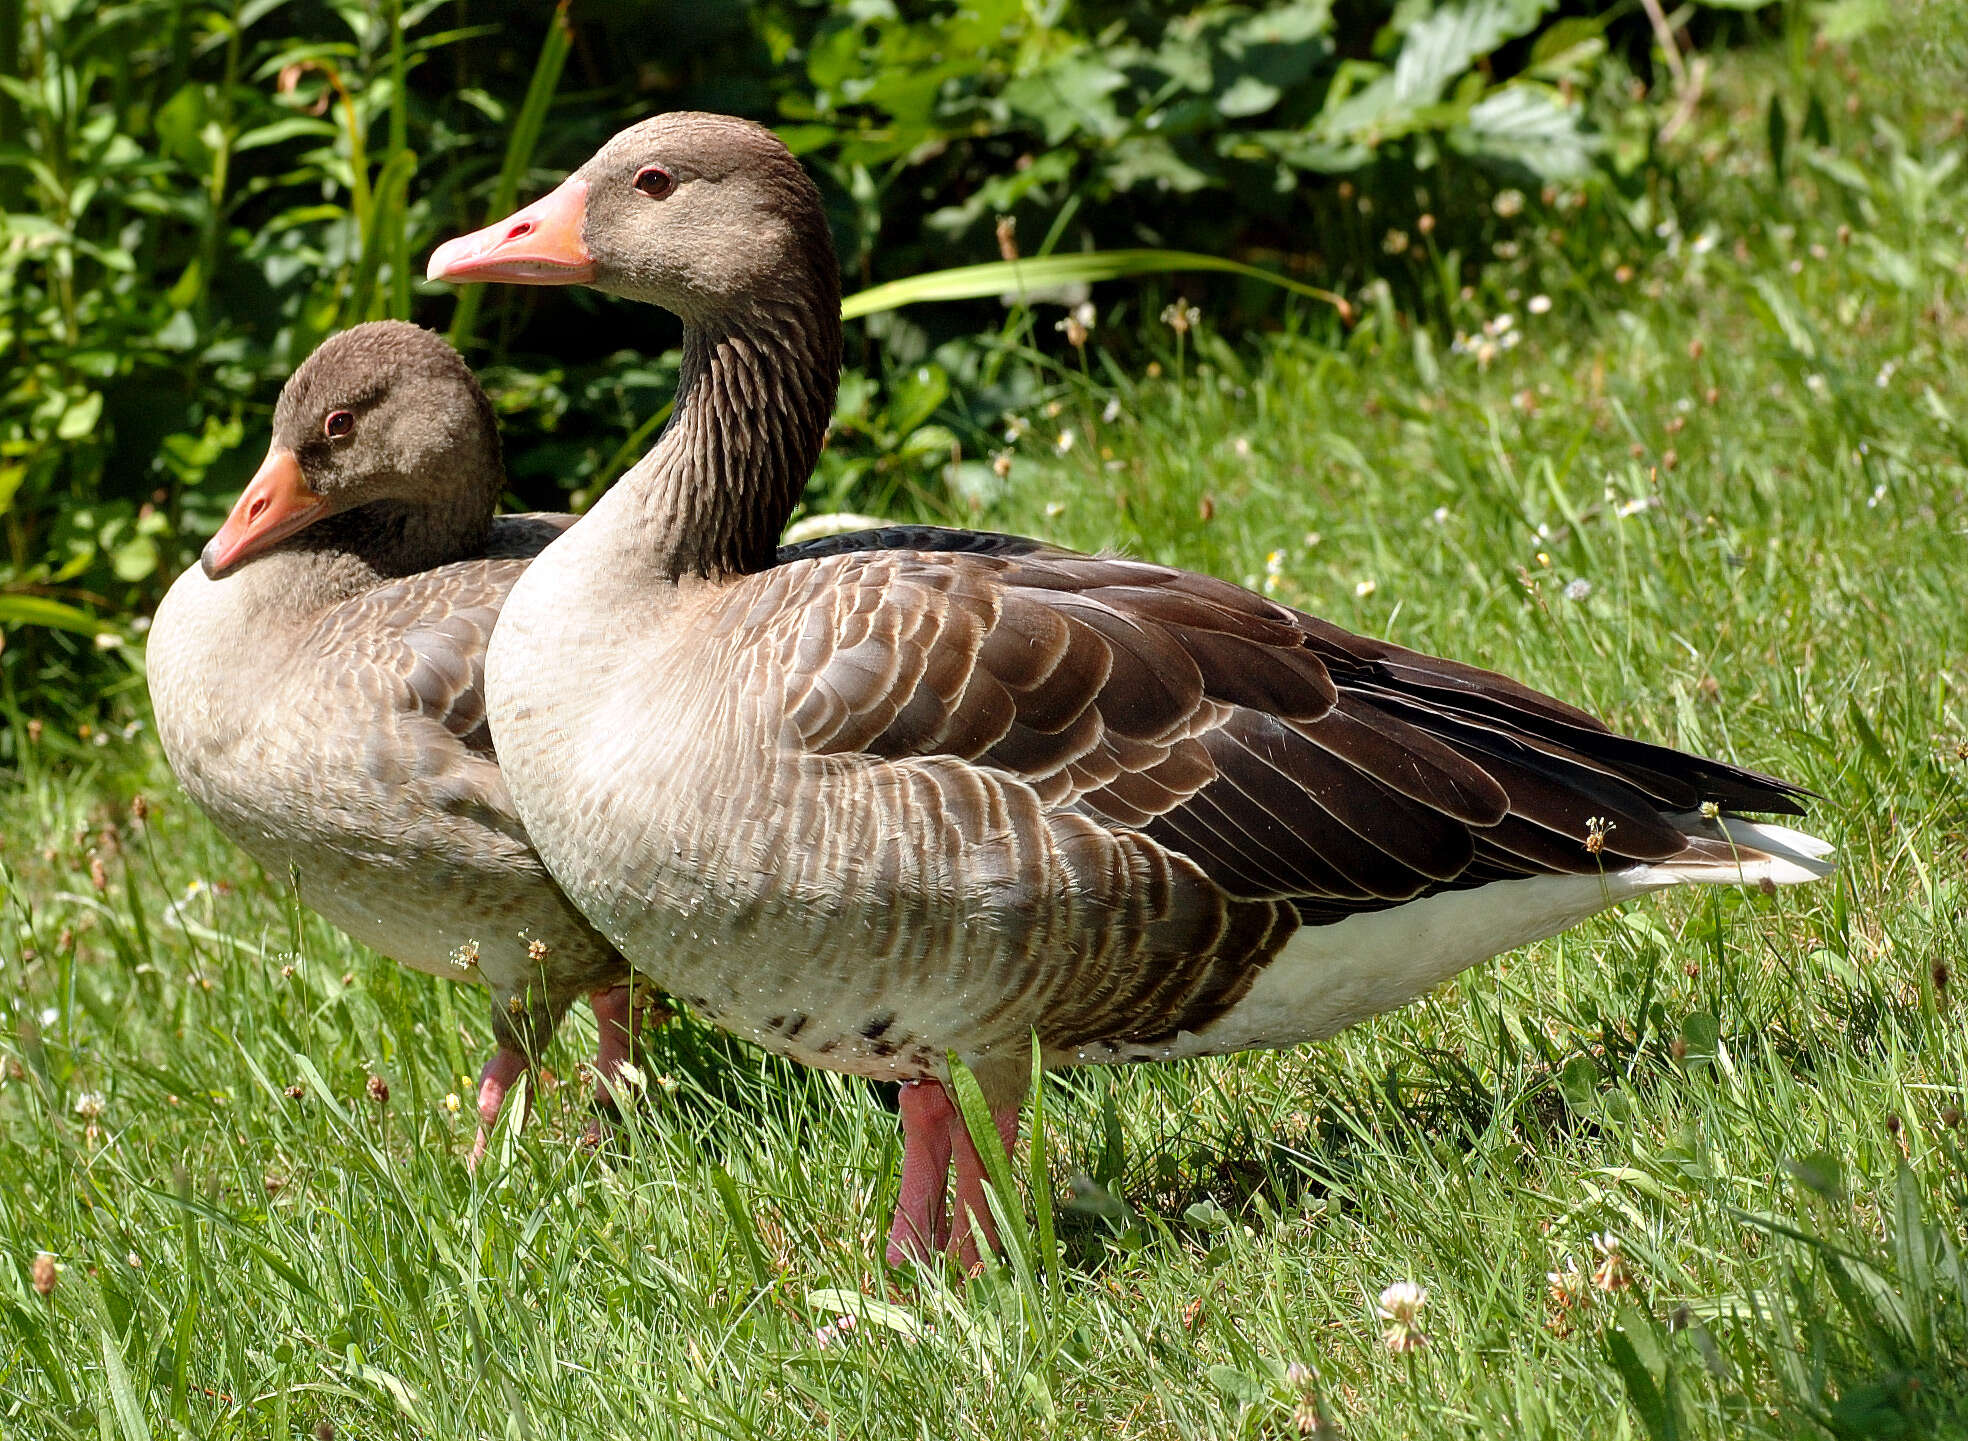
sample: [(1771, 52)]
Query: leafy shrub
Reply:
[(192, 196)]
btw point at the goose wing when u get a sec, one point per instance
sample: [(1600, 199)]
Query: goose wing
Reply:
[(417, 647), (1287, 758)]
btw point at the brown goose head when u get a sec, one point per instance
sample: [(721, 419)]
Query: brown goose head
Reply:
[(704, 215), (383, 446)]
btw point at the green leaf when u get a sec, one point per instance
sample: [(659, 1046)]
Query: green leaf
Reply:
[(1048, 272), (1236, 1386), (80, 417), (976, 1113), (1648, 1395), (868, 1311), (1448, 39), (122, 1395), (521, 141), (914, 396), (54, 614), (1069, 97), (1528, 125)]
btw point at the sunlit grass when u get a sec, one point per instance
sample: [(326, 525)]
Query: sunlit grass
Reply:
[(1721, 502)]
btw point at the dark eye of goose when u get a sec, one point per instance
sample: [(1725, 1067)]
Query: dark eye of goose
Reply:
[(338, 424), (654, 181)]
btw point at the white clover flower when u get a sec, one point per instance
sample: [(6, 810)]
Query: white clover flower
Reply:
[(89, 1105), (1538, 305), (1400, 1307)]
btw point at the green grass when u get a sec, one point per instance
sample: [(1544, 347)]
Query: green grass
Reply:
[(1753, 458)]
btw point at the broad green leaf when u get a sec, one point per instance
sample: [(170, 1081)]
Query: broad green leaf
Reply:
[(54, 614), (1048, 272)]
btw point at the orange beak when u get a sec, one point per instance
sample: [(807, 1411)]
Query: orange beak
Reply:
[(276, 503), (540, 245)]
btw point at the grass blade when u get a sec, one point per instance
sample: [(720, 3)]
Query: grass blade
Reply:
[(122, 1395), (524, 139)]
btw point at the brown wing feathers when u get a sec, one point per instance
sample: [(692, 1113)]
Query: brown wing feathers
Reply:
[(1287, 758)]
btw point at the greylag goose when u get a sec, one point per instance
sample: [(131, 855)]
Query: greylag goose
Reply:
[(886, 798), (317, 680)]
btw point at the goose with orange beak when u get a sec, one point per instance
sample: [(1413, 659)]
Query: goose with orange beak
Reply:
[(318, 685), (889, 798)]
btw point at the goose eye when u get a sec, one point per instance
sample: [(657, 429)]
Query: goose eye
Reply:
[(338, 424), (654, 181)]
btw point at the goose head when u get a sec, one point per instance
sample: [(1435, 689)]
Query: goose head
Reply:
[(384, 420), (704, 215)]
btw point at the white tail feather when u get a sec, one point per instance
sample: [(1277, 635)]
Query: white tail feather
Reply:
[(1761, 852)]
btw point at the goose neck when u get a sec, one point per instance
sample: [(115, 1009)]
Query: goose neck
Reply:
[(754, 398)]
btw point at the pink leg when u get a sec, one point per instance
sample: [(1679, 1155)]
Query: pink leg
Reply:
[(506, 1066), (622, 1013), (920, 1229), (971, 1176), (619, 1017)]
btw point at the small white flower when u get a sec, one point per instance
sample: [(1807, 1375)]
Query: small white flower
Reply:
[(1441, 515), (1065, 441), (89, 1105), (1612, 1273), (1817, 385), (1242, 446), (1538, 305), (1366, 588), (1710, 810), (1112, 411), (1400, 1307), (1634, 507), (1885, 376), (1501, 324), (1054, 509), (1180, 316), (1508, 203), (1578, 588)]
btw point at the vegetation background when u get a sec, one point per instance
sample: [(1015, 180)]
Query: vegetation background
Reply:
[(1645, 384)]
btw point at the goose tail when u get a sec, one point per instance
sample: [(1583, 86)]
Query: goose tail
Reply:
[(1729, 850)]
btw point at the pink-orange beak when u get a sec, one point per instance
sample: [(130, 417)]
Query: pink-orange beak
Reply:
[(276, 503), (540, 245)]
